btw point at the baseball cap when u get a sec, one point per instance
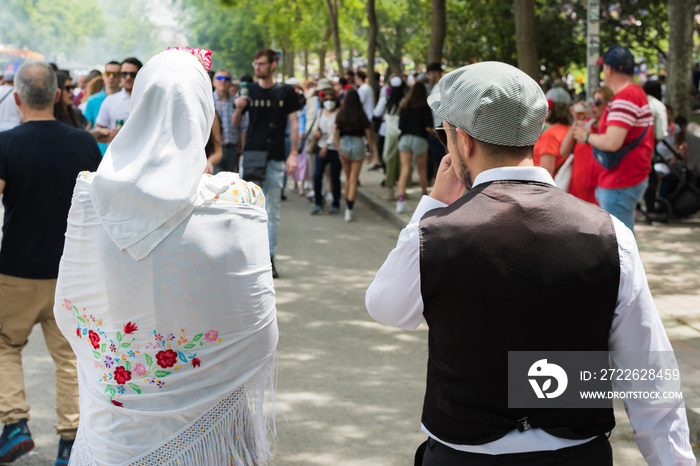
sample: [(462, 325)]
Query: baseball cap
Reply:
[(619, 59), (493, 102), (558, 95)]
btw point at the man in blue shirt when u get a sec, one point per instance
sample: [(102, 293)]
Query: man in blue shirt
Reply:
[(94, 102)]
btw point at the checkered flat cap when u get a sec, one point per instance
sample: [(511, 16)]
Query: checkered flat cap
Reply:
[(493, 102)]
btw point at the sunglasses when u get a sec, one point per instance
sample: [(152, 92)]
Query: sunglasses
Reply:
[(128, 74), (442, 133), (111, 73), (597, 102), (69, 87), (223, 78)]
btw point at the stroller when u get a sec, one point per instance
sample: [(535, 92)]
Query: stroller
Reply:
[(679, 195)]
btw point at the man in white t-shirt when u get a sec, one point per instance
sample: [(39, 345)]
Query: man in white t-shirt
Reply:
[(115, 108), (9, 112)]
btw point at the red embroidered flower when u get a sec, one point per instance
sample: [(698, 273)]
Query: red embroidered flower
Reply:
[(116, 403), (94, 339), (121, 375), (77, 331), (195, 362), (130, 328), (166, 358)]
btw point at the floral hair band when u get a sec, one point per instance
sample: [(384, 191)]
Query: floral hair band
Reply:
[(203, 55)]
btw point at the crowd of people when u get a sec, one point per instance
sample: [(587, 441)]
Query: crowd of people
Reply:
[(162, 160)]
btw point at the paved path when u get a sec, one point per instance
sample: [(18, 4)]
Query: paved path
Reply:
[(351, 389)]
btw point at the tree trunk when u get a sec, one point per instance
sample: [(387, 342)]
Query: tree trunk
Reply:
[(306, 64), (333, 13), (525, 37), (680, 48), (322, 54), (393, 58), (437, 32), (371, 42)]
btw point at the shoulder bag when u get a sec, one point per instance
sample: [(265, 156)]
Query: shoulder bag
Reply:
[(255, 161)]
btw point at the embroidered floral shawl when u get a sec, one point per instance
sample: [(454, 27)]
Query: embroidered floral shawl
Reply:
[(175, 349)]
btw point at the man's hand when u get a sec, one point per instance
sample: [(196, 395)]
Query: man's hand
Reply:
[(291, 163), (322, 152), (240, 103), (580, 133), (448, 187)]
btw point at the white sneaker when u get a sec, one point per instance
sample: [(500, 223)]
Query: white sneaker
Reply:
[(401, 207), (348, 215)]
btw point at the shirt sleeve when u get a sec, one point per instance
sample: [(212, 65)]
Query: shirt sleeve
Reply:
[(103, 115), (662, 433), (394, 297)]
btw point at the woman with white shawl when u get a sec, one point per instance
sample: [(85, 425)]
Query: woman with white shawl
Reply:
[(165, 289)]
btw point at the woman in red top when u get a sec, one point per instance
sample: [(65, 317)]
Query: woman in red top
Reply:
[(546, 151), (581, 185)]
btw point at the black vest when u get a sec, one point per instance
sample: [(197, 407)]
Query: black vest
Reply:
[(512, 266)]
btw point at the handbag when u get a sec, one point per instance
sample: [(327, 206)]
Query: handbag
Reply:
[(312, 144), (254, 163), (610, 160), (563, 176)]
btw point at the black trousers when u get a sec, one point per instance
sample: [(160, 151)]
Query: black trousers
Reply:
[(597, 452)]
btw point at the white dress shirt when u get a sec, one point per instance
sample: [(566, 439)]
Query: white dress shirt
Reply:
[(662, 434)]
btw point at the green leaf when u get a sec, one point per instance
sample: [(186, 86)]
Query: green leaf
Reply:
[(81, 319), (119, 336), (197, 337), (107, 388), (125, 345), (190, 345), (127, 366), (135, 387), (104, 347), (112, 390), (149, 359), (96, 354), (162, 373)]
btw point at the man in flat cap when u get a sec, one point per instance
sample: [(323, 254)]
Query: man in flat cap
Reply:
[(627, 129), (512, 266)]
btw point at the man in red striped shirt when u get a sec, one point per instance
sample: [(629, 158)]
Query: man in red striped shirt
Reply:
[(626, 117)]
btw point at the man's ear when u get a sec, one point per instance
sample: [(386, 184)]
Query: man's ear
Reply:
[(468, 142), (18, 100), (58, 96)]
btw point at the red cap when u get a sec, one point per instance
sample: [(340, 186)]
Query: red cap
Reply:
[(599, 61)]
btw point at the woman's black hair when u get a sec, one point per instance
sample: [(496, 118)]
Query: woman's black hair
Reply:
[(417, 97), (61, 111), (351, 116), (396, 95)]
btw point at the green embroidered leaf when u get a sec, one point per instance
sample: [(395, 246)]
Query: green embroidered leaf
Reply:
[(149, 360), (104, 347), (112, 390), (135, 387), (96, 354), (201, 343), (162, 373), (81, 319), (119, 336), (190, 345), (125, 345), (197, 337), (107, 388), (127, 365)]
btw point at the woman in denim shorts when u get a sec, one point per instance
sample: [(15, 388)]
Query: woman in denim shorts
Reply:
[(351, 126), (415, 120)]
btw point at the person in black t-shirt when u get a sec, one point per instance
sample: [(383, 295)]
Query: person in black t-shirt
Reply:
[(39, 162), (263, 97), (415, 121)]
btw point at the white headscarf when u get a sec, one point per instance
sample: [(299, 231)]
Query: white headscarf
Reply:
[(147, 182), (176, 339)]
